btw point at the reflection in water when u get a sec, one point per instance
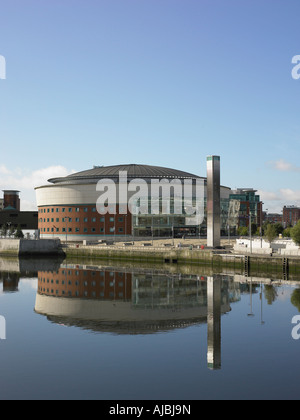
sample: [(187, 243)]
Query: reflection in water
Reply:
[(214, 296), (138, 300)]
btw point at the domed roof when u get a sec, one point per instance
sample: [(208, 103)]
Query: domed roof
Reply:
[(133, 171)]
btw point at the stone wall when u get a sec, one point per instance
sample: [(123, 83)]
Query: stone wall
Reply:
[(30, 247)]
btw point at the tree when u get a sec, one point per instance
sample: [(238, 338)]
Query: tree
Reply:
[(243, 231), (19, 234), (279, 228), (3, 231), (287, 233), (295, 233), (270, 233), (11, 231)]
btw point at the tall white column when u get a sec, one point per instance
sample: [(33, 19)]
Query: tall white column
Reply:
[(213, 202)]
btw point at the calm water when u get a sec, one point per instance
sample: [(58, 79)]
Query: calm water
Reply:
[(109, 333)]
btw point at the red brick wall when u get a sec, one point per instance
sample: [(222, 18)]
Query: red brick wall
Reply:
[(75, 282), (53, 220)]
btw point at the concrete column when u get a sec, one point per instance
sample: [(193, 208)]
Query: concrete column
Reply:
[(214, 322), (213, 202)]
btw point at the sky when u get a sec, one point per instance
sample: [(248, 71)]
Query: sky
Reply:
[(158, 82)]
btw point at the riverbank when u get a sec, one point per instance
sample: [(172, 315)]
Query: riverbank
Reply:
[(189, 255)]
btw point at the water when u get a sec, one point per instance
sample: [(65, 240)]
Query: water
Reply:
[(110, 333)]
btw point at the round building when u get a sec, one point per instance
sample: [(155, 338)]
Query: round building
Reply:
[(73, 208)]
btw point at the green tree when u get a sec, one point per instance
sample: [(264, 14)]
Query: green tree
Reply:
[(287, 232), (19, 234), (270, 233), (295, 233), (11, 231), (279, 228), (3, 231), (242, 231)]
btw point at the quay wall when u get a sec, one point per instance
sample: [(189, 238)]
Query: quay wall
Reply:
[(271, 265), (23, 247)]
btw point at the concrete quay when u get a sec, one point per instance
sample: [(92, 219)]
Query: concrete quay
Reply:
[(26, 247)]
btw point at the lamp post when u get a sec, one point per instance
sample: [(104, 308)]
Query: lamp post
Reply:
[(250, 231)]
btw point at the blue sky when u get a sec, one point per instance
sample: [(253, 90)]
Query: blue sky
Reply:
[(161, 82)]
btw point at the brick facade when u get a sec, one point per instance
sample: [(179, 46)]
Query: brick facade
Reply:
[(82, 220)]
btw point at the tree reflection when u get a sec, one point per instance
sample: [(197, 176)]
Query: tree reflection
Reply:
[(295, 299), (270, 293)]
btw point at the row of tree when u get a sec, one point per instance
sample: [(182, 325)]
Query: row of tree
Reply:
[(271, 231), (11, 232)]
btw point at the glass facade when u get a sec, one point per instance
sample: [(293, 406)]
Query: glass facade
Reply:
[(177, 226)]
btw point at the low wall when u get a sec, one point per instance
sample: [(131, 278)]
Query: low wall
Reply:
[(30, 247)]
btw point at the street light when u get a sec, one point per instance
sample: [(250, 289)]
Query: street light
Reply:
[(250, 230)]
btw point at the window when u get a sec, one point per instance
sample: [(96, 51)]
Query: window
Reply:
[(102, 219), (77, 220), (63, 209), (77, 209), (85, 209), (85, 219), (93, 219), (111, 219), (77, 229), (111, 229), (70, 209)]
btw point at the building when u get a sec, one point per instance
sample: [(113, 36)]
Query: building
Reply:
[(273, 217), (291, 215), (249, 205), (11, 199), (12, 216), (68, 207)]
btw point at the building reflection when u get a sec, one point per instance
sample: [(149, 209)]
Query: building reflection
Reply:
[(119, 301), (10, 281)]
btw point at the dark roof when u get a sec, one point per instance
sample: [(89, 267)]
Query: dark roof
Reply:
[(133, 171)]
